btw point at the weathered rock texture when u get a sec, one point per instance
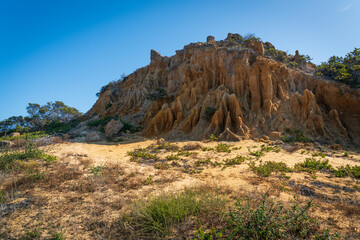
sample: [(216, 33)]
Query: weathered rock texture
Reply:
[(253, 96)]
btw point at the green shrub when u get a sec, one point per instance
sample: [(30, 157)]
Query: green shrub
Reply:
[(344, 69), (9, 160), (212, 138), (271, 220), (100, 121), (276, 54), (312, 165), (256, 154), (234, 161), (344, 171), (172, 157), (143, 154), (270, 148), (159, 216), (109, 105), (157, 94), (129, 127), (25, 136), (209, 112), (296, 136), (162, 166), (60, 127), (96, 170), (223, 147), (265, 169)]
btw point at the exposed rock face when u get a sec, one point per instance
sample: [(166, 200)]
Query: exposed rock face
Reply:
[(210, 39), (15, 134), (253, 96), (113, 127)]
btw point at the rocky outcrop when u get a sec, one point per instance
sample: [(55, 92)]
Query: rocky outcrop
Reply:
[(112, 128), (251, 94)]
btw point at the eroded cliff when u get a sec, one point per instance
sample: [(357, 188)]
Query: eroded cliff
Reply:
[(231, 89)]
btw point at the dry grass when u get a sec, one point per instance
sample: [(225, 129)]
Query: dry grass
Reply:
[(84, 198)]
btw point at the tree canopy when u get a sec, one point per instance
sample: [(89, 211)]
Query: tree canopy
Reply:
[(344, 69), (40, 118)]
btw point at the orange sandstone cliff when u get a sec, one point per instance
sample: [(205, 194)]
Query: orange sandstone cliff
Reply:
[(231, 89)]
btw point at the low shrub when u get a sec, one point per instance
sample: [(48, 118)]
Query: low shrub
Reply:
[(312, 165), (12, 160), (271, 220), (234, 161), (161, 216), (266, 169), (223, 147), (157, 94), (209, 112), (142, 154)]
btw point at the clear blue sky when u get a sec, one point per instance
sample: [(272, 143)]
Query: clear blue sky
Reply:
[(67, 49)]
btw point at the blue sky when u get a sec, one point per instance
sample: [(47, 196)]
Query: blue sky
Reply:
[(66, 50)]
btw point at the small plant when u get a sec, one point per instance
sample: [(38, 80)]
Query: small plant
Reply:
[(2, 196), (109, 105), (58, 236), (236, 148), (96, 170), (344, 171), (142, 153), (168, 147), (296, 136), (322, 154), (129, 127), (149, 180), (234, 161), (161, 165), (270, 148), (172, 157), (256, 154), (212, 138), (158, 93), (223, 147), (202, 162), (209, 112), (346, 154), (175, 164), (186, 153)]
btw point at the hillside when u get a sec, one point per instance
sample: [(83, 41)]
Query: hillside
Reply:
[(229, 139), (236, 89)]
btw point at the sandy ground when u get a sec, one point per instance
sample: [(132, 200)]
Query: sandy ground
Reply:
[(72, 204)]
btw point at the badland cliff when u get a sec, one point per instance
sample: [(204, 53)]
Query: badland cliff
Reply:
[(233, 89)]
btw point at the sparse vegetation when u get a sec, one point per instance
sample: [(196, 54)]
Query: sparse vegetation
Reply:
[(14, 160), (223, 147), (209, 112), (295, 135), (270, 148), (265, 169), (343, 69), (257, 154), (271, 220), (312, 165), (234, 161), (160, 216), (142, 154), (213, 138), (158, 93)]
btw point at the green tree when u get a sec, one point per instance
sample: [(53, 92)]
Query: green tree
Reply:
[(344, 69)]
